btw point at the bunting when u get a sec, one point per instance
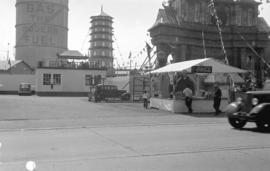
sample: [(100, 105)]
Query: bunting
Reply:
[(213, 12), (129, 56)]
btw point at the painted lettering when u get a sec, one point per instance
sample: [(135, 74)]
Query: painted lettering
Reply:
[(40, 7)]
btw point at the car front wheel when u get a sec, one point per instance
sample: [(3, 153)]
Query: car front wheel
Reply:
[(263, 125), (237, 123)]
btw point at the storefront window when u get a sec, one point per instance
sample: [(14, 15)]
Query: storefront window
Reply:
[(46, 79), (57, 79), (97, 79)]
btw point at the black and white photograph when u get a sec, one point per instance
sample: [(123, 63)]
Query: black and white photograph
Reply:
[(135, 85)]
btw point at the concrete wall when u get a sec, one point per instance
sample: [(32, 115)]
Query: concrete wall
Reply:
[(72, 81), (9, 83)]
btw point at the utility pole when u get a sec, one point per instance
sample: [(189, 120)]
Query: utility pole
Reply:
[(148, 48)]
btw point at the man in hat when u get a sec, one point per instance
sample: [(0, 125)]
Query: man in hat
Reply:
[(217, 99), (188, 98)]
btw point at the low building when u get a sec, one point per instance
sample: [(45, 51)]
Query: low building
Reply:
[(12, 73), (15, 67), (69, 75)]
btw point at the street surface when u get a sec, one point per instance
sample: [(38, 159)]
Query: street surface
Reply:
[(71, 134)]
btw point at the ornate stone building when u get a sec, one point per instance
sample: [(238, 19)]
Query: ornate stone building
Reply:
[(184, 27), (101, 48)]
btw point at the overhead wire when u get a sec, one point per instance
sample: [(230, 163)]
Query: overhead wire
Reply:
[(120, 54)]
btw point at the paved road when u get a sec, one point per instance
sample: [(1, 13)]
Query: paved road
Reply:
[(21, 112), (72, 134)]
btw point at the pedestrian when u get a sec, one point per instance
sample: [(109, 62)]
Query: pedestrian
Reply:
[(145, 97), (188, 98), (217, 99)]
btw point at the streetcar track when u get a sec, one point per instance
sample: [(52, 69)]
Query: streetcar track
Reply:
[(110, 126), (137, 155)]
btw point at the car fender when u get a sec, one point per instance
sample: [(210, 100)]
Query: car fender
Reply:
[(257, 109), (231, 108)]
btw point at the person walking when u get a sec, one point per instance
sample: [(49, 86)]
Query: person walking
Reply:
[(188, 98), (217, 99), (145, 97)]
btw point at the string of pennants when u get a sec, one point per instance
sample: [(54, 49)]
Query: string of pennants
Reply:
[(213, 12), (141, 52)]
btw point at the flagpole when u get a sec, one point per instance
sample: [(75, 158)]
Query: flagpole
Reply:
[(148, 48), (8, 52), (213, 12), (8, 59), (130, 60)]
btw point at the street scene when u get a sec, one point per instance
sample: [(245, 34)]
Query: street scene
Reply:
[(135, 85), (122, 137)]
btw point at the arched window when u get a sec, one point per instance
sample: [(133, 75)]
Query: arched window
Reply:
[(238, 16), (197, 12), (185, 11), (103, 63), (250, 17)]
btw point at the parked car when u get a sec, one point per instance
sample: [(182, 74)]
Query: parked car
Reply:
[(25, 89), (105, 92), (254, 106), (125, 96)]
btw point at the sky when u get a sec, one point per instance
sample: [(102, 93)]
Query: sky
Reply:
[(132, 19)]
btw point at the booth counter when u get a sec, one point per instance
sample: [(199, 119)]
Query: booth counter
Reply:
[(199, 105)]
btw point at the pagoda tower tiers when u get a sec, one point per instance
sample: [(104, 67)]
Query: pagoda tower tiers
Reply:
[(101, 48), (187, 30)]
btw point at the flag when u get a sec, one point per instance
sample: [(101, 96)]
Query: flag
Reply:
[(148, 48), (211, 3), (9, 62), (129, 56), (211, 7)]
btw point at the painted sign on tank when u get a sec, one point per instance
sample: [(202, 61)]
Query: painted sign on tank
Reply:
[(41, 26)]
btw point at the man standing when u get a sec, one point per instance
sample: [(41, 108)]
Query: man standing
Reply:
[(217, 99), (145, 97), (188, 98)]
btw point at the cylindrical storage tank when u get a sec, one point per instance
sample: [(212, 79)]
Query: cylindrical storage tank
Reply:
[(41, 29)]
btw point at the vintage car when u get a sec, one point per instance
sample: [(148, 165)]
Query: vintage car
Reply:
[(25, 89), (102, 92), (253, 106)]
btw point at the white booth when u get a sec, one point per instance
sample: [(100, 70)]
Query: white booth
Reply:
[(168, 82)]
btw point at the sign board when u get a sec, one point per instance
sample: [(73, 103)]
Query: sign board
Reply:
[(201, 69)]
